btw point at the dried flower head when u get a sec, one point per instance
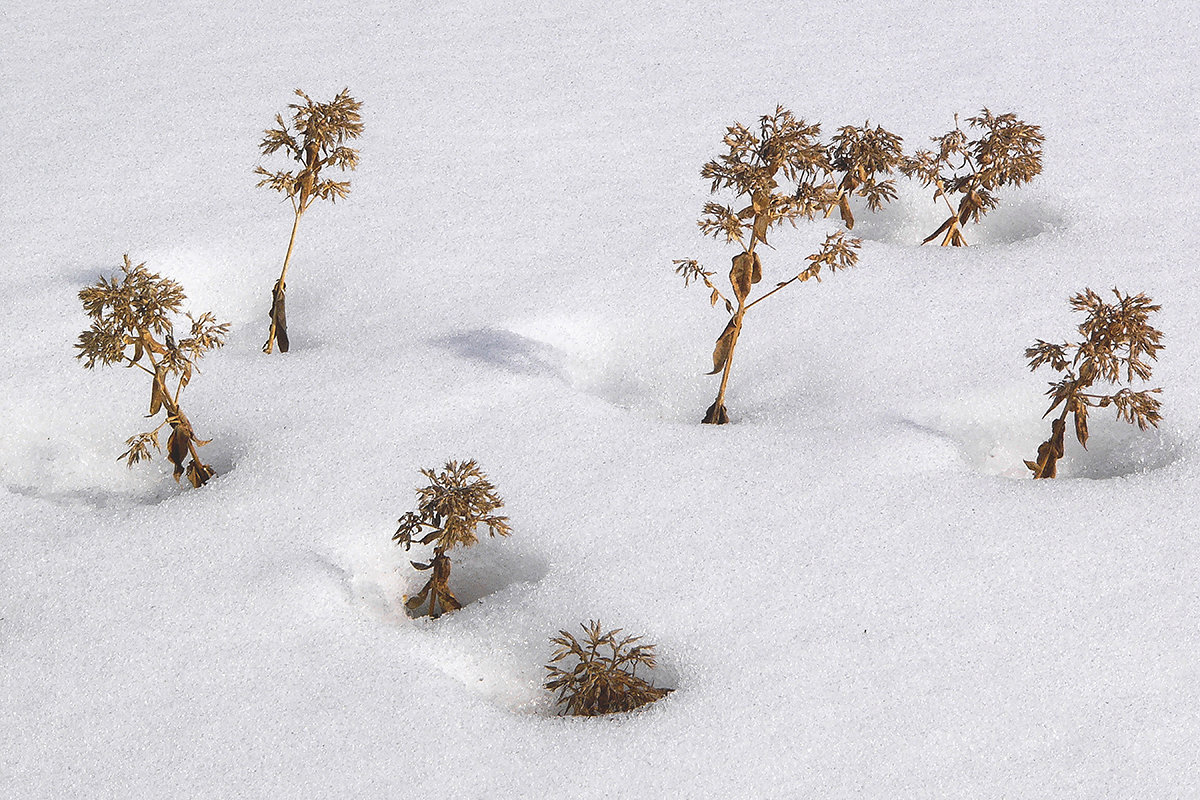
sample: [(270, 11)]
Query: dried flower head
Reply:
[(603, 678)]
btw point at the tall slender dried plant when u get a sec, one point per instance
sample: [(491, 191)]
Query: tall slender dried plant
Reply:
[(315, 139), (453, 505), (782, 149), (603, 678), (132, 325), (1007, 152), (1117, 340)]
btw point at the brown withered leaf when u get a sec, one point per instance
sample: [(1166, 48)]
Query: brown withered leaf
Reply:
[(156, 391), (844, 209), (724, 345), (198, 474), (1081, 426), (177, 450), (279, 315), (756, 276), (741, 275)]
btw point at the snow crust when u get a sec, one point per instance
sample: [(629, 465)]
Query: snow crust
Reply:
[(854, 588)]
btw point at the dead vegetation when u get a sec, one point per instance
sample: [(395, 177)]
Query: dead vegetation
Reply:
[(449, 510), (782, 172), (315, 139), (1008, 152), (132, 324), (603, 678), (1117, 340)]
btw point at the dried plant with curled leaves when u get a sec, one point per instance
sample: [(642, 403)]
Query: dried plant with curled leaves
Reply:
[(603, 678), (315, 138), (1117, 340), (862, 156), (776, 168), (450, 509), (132, 325), (1008, 152)]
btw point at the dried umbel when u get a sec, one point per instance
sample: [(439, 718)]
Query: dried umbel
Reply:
[(862, 156), (1008, 152), (450, 510), (603, 677), (132, 325), (783, 149), (315, 139), (1117, 340)]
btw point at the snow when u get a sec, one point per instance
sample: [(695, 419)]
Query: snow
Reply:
[(854, 588)]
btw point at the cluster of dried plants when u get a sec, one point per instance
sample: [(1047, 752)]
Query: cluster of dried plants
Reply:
[(132, 325), (603, 677), (449, 510), (315, 138), (1117, 340), (1008, 152), (783, 171)]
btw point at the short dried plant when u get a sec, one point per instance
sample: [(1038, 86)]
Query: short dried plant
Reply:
[(315, 138), (450, 509), (1008, 152), (1117, 340), (776, 169), (602, 679), (132, 325)]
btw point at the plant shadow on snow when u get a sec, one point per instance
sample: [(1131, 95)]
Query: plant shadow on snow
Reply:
[(505, 350), (909, 221), (66, 478), (999, 446)]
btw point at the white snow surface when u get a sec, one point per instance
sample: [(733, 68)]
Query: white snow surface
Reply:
[(854, 588)]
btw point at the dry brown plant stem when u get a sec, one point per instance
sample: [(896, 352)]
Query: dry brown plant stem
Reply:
[(321, 129)]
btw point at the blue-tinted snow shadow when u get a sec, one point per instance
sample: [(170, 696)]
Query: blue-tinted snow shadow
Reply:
[(505, 350), (909, 219)]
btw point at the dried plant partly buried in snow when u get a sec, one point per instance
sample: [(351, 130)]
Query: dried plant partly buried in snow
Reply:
[(1117, 340), (1008, 152), (132, 325), (602, 677), (450, 509)]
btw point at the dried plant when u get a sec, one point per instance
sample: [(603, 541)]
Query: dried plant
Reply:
[(1007, 152), (783, 149), (132, 325), (1117, 340), (315, 139), (450, 509), (601, 682), (861, 156)]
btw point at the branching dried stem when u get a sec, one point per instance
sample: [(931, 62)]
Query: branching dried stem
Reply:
[(450, 509), (1117, 340), (603, 678), (1008, 152), (783, 149), (315, 138), (132, 325)]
